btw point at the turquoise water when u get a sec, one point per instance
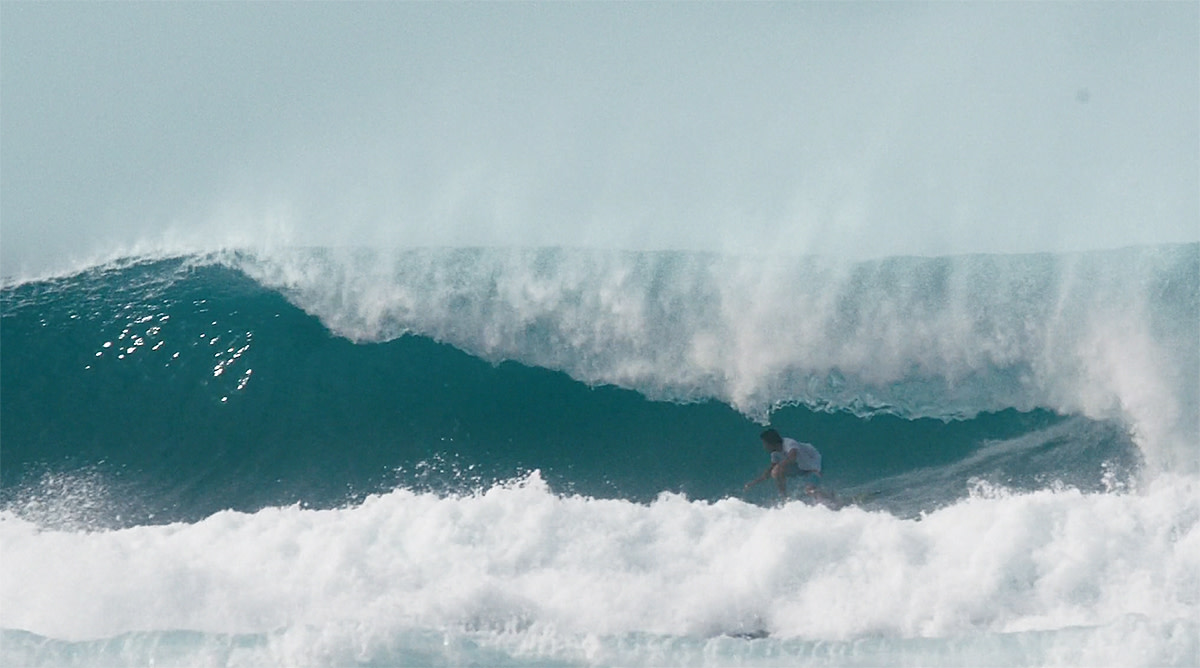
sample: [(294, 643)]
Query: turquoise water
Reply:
[(536, 457)]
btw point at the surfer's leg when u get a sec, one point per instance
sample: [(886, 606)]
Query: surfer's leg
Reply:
[(818, 494), (779, 473)]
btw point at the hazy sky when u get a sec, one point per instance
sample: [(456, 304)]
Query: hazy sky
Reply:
[(849, 129)]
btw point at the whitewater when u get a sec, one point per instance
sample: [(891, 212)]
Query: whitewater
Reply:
[(481, 456)]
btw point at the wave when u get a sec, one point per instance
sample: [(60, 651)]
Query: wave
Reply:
[(204, 385), (1110, 335), (516, 457)]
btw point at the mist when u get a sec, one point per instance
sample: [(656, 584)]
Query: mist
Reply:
[(847, 130)]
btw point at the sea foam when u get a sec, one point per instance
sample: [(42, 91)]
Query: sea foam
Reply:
[(523, 571)]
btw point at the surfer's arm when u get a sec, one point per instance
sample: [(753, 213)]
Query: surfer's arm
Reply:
[(766, 474)]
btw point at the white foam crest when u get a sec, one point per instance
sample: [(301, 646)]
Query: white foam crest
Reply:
[(1101, 334), (531, 568)]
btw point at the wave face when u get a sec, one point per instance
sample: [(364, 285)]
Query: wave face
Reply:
[(450, 456)]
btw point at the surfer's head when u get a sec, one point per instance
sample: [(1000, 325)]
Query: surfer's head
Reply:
[(771, 440)]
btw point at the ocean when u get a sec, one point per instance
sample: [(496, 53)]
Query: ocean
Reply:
[(537, 457)]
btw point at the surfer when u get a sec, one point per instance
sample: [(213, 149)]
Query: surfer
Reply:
[(789, 457)]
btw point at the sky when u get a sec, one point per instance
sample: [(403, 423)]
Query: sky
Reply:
[(845, 129)]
